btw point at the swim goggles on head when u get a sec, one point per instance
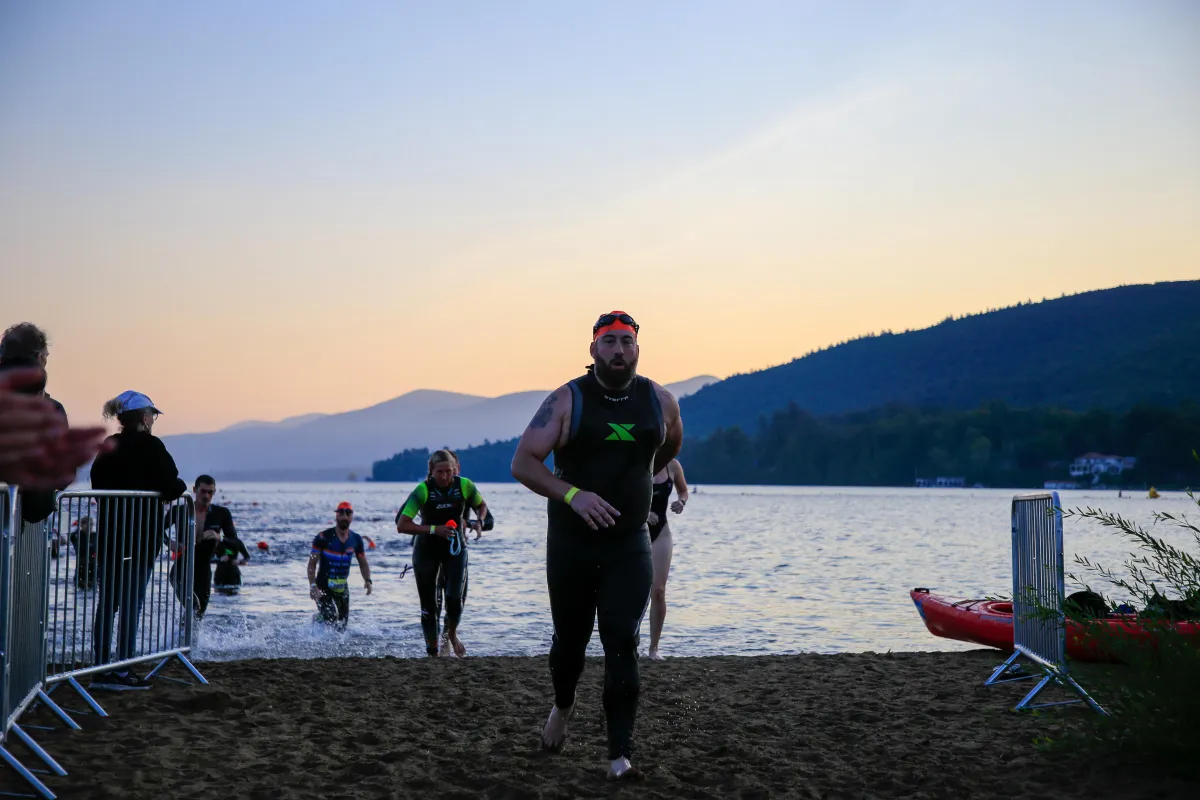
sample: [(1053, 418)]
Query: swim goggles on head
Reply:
[(618, 320)]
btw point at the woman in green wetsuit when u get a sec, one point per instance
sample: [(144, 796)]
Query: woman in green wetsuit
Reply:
[(438, 548)]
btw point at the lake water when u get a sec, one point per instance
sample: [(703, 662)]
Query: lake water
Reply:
[(756, 569)]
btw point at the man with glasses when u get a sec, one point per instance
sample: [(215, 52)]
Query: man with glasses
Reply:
[(610, 431), (329, 569)]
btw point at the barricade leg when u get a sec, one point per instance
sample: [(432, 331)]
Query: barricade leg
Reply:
[(87, 698), (62, 715), (1011, 667), (187, 665), (25, 773), (1087, 698), (38, 751)]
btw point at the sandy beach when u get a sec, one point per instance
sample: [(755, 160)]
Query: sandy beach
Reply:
[(859, 725)]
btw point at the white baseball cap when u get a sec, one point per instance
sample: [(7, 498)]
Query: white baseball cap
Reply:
[(135, 401)]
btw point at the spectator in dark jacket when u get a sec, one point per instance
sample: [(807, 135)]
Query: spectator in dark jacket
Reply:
[(130, 532), (23, 346)]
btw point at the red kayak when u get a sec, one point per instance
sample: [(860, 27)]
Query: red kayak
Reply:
[(990, 623)]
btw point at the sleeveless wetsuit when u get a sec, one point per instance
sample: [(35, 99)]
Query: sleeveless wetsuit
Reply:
[(431, 554), (607, 573), (658, 505)]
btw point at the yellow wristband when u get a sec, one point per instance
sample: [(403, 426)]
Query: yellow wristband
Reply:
[(433, 529), (570, 493)]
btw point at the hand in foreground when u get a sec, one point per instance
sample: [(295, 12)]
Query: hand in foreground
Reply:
[(652, 520), (595, 510), (37, 449), (368, 586), (677, 506)]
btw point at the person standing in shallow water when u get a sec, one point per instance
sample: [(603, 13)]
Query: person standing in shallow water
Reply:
[(611, 431), (329, 568), (213, 523), (661, 544), (440, 547)]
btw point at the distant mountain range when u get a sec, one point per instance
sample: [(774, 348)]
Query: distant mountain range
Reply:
[(1109, 349), (326, 447)]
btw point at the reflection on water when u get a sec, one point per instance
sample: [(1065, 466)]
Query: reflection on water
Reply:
[(755, 569)]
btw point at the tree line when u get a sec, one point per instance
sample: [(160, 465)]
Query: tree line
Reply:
[(994, 445)]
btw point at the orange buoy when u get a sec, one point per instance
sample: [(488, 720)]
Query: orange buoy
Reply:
[(263, 546)]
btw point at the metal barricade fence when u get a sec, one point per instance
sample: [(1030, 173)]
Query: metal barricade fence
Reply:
[(1039, 624), (103, 584), (122, 593), (25, 552)]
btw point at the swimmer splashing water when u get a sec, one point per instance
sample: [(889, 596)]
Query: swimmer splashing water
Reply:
[(329, 569)]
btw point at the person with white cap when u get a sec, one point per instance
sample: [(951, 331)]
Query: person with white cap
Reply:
[(127, 550)]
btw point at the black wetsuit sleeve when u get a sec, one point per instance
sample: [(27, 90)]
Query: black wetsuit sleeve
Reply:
[(228, 530), (241, 546)]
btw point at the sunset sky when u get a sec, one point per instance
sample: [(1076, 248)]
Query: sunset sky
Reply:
[(260, 209)]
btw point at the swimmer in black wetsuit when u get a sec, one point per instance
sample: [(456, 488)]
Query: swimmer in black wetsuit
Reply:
[(611, 431), (480, 526), (439, 549), (227, 579), (661, 544)]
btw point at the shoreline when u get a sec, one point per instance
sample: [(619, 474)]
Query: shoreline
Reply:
[(845, 725)]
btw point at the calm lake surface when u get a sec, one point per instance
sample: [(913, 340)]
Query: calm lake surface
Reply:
[(756, 569)]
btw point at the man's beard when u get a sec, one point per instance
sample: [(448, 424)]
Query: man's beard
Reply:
[(616, 378), (343, 525)]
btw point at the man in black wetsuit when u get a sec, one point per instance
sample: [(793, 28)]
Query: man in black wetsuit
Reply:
[(213, 523), (611, 431)]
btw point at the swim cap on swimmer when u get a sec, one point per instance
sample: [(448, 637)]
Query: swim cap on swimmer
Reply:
[(614, 321), (345, 506)]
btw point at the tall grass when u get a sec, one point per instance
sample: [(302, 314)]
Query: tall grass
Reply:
[(1153, 694)]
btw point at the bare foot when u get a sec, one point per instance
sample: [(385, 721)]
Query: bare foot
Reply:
[(554, 734), (445, 649), (654, 655), (621, 770), (460, 649)]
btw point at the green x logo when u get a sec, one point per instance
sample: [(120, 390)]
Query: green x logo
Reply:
[(621, 432)]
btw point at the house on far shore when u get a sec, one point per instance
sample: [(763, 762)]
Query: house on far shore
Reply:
[(942, 483), (1097, 464)]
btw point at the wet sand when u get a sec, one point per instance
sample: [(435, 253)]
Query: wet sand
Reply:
[(914, 725)]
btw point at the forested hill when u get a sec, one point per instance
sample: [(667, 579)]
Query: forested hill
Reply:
[(994, 445), (1109, 349)]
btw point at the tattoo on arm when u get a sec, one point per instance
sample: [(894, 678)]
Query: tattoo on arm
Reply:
[(545, 412)]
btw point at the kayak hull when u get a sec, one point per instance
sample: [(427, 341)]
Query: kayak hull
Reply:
[(990, 623)]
